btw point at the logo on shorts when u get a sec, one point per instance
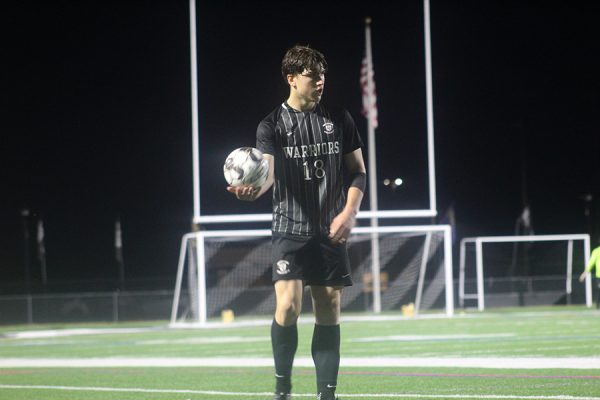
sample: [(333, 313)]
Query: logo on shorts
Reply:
[(283, 267)]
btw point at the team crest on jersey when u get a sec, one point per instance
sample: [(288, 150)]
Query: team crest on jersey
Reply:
[(283, 267), (328, 127)]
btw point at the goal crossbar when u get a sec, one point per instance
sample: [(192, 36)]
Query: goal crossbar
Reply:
[(200, 236), (235, 218), (480, 240)]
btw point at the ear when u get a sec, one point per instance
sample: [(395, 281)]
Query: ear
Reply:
[(291, 80)]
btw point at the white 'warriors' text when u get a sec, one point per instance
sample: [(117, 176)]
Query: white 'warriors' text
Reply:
[(311, 150)]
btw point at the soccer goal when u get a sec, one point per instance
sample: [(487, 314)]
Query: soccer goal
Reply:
[(523, 270), (229, 271)]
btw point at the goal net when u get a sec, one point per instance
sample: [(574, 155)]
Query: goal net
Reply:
[(230, 271), (504, 271)]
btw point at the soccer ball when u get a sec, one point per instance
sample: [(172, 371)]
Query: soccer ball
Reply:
[(246, 167)]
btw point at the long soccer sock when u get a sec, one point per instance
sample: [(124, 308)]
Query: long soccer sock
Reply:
[(326, 355), (284, 340)]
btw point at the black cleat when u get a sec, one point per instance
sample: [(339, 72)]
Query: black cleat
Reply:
[(282, 396), (327, 396)]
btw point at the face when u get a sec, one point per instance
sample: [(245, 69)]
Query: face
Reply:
[(308, 85)]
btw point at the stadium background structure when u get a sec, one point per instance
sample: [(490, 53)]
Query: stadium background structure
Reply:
[(163, 216)]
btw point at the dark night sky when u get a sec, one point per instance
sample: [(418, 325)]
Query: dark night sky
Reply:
[(98, 115)]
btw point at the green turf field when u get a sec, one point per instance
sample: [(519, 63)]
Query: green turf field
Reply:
[(534, 353)]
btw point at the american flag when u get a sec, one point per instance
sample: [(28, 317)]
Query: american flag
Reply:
[(118, 243), (369, 102), (119, 252), (41, 250)]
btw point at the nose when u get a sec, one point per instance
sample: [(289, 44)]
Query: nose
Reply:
[(320, 81)]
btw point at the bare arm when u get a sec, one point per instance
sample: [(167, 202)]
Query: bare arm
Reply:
[(250, 193), (343, 223)]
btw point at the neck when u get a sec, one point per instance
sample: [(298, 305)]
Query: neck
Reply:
[(301, 104)]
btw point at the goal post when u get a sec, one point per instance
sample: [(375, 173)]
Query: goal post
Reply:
[(478, 244), (234, 271), (196, 241)]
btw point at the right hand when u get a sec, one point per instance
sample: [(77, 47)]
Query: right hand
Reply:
[(582, 276), (245, 193)]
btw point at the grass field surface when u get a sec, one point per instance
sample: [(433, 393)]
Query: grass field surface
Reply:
[(533, 353)]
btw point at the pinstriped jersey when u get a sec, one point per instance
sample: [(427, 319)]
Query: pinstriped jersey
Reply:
[(308, 149)]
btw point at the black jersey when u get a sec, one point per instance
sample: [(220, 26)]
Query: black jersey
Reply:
[(308, 148)]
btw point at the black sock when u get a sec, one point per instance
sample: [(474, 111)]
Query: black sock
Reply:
[(326, 355), (285, 342)]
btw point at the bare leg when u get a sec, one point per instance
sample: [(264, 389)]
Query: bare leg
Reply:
[(289, 301)]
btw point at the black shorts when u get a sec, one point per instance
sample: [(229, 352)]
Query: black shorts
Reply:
[(312, 259)]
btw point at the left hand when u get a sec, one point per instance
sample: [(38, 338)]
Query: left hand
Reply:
[(341, 226)]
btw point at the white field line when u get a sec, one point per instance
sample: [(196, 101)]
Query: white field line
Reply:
[(453, 362), (59, 334), (242, 323), (207, 340), (53, 333), (416, 338), (268, 321), (264, 394)]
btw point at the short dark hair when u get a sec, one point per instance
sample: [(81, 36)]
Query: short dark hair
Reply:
[(300, 58)]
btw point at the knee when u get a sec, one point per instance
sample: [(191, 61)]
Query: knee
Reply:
[(328, 312), (287, 313)]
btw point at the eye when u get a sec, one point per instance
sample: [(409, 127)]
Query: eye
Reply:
[(315, 76)]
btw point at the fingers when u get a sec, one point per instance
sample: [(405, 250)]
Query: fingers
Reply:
[(247, 193), (338, 235), (338, 240)]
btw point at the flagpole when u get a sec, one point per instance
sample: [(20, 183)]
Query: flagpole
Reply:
[(375, 266)]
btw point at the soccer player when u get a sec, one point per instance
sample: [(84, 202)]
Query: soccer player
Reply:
[(310, 148), (593, 263)]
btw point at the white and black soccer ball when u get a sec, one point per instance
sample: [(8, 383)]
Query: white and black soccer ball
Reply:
[(246, 166)]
